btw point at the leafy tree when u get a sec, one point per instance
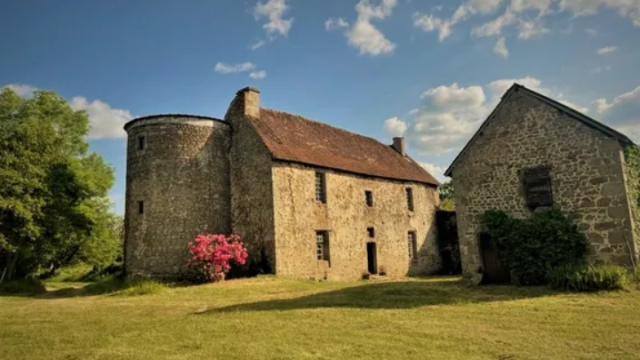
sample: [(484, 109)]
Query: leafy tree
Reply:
[(446, 196), (52, 191)]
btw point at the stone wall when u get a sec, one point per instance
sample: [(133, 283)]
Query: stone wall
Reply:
[(182, 178), (632, 178), (586, 175), (346, 217), (251, 187)]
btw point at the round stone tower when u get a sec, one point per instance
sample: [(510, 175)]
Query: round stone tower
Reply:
[(177, 187)]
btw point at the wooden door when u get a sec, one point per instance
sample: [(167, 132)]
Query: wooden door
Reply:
[(494, 271), (372, 258)]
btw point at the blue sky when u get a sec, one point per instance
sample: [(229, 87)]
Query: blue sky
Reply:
[(429, 70)]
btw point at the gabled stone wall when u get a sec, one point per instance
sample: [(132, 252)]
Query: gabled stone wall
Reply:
[(586, 174)]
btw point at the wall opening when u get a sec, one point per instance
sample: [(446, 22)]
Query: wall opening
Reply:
[(494, 272), (372, 258), (368, 196)]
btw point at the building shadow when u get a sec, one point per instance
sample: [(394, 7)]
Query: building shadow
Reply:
[(393, 295)]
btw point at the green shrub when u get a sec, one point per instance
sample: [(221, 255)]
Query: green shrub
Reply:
[(636, 275), (114, 285), (28, 286), (588, 278), (533, 246)]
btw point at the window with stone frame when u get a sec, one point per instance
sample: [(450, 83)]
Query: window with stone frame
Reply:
[(140, 207), (322, 245), (321, 188), (537, 187), (368, 197), (409, 192), (371, 232), (412, 245)]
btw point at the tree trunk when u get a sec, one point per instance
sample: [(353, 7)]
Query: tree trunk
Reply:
[(11, 265)]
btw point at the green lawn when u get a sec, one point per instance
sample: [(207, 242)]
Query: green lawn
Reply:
[(271, 318)]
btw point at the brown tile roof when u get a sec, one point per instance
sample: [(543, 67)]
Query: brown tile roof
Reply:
[(293, 138)]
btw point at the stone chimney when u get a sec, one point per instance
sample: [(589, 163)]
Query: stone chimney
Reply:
[(398, 145), (249, 98)]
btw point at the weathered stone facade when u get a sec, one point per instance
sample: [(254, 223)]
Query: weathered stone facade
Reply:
[(346, 217), (197, 175), (586, 171), (174, 189)]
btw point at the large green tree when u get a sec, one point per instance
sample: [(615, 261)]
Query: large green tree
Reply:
[(53, 192)]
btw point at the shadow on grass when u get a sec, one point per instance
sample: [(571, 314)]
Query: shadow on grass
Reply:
[(393, 295), (112, 285)]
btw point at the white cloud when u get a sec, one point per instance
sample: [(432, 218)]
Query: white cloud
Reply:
[(395, 127), (366, 37), (500, 48), (625, 8), (531, 29), (449, 115), (105, 121), (607, 50), (429, 23), (22, 89), (258, 44), (274, 11), (335, 23), (622, 113), (435, 170), (261, 74), (494, 27), (451, 97), (223, 68)]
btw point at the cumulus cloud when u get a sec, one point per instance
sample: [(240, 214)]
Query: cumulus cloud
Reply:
[(21, 89), (435, 170), (525, 16), (607, 50), (273, 10), (257, 45), (335, 23), (105, 121), (223, 68), (261, 74), (395, 127), (363, 35), (450, 114), (622, 113)]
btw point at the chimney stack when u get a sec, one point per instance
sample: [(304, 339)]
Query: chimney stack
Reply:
[(250, 100), (398, 145)]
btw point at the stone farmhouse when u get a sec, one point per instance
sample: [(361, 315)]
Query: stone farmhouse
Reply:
[(309, 200), (533, 153)]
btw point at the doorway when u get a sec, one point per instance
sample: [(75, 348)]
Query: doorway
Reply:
[(372, 258), (494, 271)]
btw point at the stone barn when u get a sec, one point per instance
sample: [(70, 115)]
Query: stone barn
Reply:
[(533, 153), (309, 200)]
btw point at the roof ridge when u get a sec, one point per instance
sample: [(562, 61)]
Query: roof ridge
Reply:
[(325, 124)]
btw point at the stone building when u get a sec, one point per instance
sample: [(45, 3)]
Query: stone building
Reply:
[(309, 200), (533, 152)]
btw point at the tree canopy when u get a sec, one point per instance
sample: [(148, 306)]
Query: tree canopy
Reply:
[(54, 207)]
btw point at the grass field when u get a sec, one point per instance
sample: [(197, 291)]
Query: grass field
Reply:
[(271, 318)]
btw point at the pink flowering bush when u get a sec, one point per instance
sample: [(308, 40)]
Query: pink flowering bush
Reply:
[(212, 255)]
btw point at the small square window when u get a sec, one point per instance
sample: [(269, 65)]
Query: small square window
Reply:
[(413, 245), (537, 187), (140, 207), (371, 231), (368, 196), (321, 188), (409, 199), (322, 245), (142, 142)]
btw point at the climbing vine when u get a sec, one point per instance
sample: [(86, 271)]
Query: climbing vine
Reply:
[(632, 159)]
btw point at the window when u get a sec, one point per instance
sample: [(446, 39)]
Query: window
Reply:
[(537, 187), (368, 196), (413, 245), (142, 142), (321, 188), (140, 207), (322, 245), (410, 199), (371, 231)]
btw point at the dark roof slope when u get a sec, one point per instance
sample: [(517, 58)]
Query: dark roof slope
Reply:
[(186, 116), (586, 120), (296, 139)]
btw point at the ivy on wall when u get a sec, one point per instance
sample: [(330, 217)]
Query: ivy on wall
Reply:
[(632, 159)]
